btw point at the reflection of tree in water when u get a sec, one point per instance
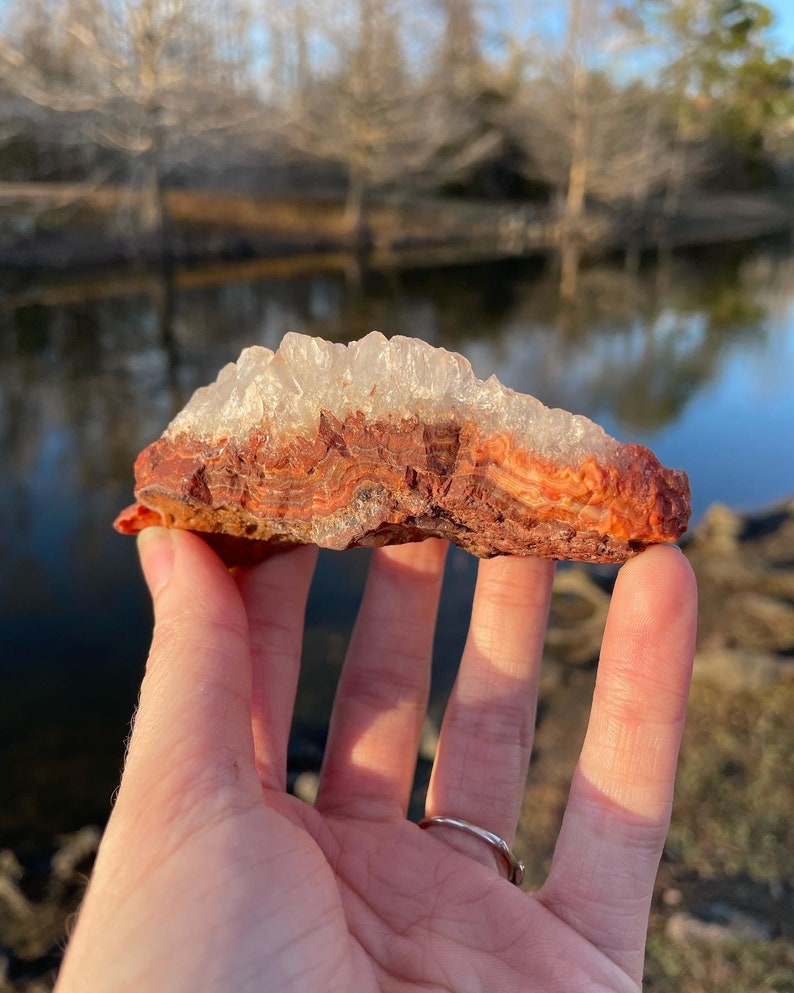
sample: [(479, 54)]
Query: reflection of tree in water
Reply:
[(623, 353), (106, 376), (684, 346), (77, 403), (74, 385)]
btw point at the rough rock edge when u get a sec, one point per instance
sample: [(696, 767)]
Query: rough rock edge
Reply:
[(472, 474)]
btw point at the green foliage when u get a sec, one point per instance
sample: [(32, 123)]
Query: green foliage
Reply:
[(726, 83)]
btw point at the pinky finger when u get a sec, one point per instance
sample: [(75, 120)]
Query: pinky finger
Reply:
[(607, 855)]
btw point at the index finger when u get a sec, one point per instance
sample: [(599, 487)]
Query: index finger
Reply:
[(607, 855), (192, 732)]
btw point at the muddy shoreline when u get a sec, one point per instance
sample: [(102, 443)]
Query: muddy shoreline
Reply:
[(65, 228)]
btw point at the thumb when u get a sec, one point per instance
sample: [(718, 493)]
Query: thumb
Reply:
[(190, 757), (194, 714)]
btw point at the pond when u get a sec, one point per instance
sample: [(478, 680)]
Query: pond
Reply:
[(694, 358)]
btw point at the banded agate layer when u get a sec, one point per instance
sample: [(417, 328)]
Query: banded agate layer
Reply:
[(385, 441)]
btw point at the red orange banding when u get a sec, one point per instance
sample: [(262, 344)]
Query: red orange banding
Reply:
[(364, 483), (389, 441)]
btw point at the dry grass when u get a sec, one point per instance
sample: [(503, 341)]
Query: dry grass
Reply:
[(732, 842)]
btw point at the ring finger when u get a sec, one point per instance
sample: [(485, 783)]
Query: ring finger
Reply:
[(486, 736)]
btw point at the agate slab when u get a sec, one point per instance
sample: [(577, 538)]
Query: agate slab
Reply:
[(387, 441)]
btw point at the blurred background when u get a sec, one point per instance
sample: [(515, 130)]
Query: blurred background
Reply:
[(594, 200)]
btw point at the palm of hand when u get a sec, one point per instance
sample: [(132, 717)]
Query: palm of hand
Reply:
[(285, 899), (212, 878), (405, 913)]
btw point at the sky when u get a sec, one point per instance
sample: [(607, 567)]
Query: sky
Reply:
[(784, 22), (783, 27)]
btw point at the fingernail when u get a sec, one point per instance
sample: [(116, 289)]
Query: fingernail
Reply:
[(156, 550)]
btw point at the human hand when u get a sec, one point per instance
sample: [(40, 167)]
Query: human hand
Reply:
[(210, 877)]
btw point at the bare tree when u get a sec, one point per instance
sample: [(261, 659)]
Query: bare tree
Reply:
[(629, 150), (398, 98), (359, 110), (584, 134), (287, 28), (466, 95), (460, 58), (144, 77)]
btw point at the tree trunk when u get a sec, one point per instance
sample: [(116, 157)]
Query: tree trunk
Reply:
[(302, 64), (153, 213), (677, 172), (355, 220), (577, 173), (571, 233), (570, 259), (573, 211)]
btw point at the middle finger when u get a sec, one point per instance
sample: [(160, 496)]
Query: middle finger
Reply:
[(381, 700)]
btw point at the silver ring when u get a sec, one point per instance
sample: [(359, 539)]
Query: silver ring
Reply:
[(515, 867)]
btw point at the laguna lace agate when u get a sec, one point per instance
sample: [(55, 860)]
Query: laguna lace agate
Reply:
[(386, 441)]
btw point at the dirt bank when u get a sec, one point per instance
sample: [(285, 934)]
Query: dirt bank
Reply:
[(69, 227)]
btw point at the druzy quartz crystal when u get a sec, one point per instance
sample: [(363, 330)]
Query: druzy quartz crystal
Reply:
[(386, 441)]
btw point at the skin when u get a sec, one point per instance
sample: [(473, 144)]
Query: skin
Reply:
[(211, 877)]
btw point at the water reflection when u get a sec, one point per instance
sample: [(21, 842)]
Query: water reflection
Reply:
[(92, 370)]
